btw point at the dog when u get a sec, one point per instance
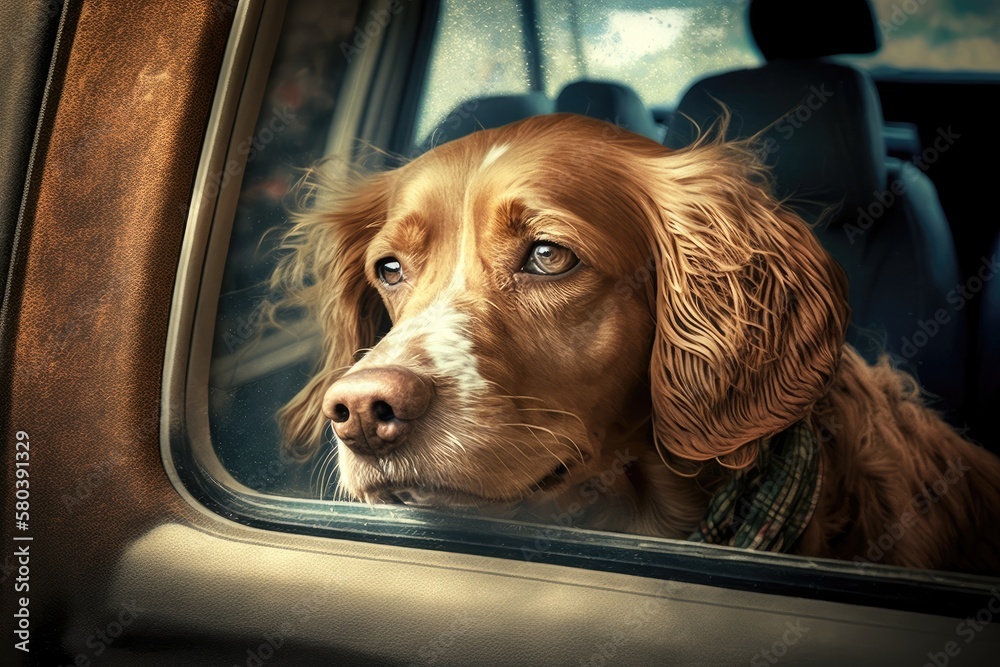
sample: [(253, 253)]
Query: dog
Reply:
[(562, 318)]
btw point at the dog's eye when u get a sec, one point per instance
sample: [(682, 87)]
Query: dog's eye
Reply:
[(549, 259), (389, 271)]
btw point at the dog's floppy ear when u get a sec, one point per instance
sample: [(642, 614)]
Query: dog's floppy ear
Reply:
[(323, 270), (750, 310)]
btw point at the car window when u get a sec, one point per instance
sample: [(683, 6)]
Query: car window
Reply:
[(256, 366), (658, 48), (251, 371), (935, 35), (478, 51), (655, 47)]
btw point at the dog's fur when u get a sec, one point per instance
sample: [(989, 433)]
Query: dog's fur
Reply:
[(704, 316)]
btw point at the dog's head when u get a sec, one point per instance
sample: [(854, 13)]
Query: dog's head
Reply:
[(557, 288)]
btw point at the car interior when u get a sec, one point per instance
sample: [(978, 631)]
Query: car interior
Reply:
[(190, 124)]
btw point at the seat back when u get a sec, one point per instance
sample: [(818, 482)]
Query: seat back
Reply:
[(610, 101), (986, 429), (819, 127), (483, 113)]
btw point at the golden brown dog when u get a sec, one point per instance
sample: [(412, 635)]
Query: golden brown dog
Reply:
[(585, 322)]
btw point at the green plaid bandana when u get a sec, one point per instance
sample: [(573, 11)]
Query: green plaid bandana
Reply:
[(768, 506)]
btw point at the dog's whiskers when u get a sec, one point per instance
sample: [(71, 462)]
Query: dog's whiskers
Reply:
[(452, 438), (565, 413), (323, 473), (517, 448), (318, 471), (339, 493), (532, 428), (330, 475), (560, 412), (525, 397), (496, 451), (557, 436)]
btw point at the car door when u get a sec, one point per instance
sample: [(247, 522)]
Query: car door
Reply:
[(137, 530)]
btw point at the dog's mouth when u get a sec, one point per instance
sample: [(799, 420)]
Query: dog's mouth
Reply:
[(420, 496)]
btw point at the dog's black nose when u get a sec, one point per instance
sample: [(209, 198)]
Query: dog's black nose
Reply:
[(373, 410)]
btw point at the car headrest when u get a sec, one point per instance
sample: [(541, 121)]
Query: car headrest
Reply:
[(823, 121), (481, 113), (801, 29), (609, 101)]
